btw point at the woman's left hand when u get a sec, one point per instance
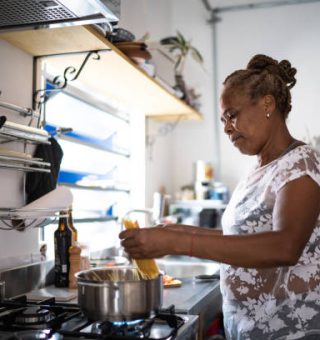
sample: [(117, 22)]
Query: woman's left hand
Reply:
[(146, 242)]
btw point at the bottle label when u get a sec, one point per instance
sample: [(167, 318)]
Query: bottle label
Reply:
[(62, 242), (64, 268)]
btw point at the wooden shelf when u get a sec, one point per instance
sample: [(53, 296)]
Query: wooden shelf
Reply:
[(114, 76)]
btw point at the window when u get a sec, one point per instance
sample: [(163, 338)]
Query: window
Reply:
[(96, 165)]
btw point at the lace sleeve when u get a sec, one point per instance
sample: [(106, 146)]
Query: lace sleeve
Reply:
[(302, 161)]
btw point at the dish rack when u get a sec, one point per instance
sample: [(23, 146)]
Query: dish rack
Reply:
[(24, 164), (11, 132), (21, 219)]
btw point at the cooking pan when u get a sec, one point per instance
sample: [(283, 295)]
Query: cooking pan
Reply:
[(118, 294)]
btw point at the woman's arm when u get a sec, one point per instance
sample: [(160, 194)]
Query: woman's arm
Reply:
[(188, 228), (296, 211)]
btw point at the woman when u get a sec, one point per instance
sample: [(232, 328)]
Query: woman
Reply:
[(270, 244)]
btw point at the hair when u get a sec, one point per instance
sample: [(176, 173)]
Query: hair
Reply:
[(266, 76)]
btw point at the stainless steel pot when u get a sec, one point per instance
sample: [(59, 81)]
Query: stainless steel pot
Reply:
[(110, 261), (118, 293)]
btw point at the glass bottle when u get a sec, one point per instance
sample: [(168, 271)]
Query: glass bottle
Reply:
[(72, 228), (62, 243)]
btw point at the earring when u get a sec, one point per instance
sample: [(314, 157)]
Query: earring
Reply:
[(268, 115)]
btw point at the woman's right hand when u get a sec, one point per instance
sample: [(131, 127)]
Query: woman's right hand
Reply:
[(148, 242)]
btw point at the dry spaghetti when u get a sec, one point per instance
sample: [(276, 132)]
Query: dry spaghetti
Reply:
[(147, 267)]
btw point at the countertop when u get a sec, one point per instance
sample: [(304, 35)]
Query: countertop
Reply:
[(193, 296)]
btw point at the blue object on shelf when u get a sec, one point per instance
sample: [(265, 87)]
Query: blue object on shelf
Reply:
[(105, 144), (109, 211), (220, 192), (73, 177)]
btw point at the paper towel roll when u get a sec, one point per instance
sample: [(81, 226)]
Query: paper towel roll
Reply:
[(56, 200)]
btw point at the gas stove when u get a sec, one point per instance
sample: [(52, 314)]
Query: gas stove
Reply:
[(47, 319)]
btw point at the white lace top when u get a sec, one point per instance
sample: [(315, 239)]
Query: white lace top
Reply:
[(274, 303)]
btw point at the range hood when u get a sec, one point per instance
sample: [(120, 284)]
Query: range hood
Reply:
[(34, 14)]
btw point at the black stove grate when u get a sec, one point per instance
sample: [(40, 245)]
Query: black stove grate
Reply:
[(164, 325), (14, 314), (65, 321)]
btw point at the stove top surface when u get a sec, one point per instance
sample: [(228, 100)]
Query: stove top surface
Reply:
[(23, 319)]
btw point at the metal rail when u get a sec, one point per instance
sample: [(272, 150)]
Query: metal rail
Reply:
[(23, 111)]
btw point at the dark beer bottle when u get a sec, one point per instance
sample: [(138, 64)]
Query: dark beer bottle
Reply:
[(72, 228), (62, 243)]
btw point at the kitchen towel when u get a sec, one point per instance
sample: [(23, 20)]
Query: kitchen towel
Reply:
[(38, 183)]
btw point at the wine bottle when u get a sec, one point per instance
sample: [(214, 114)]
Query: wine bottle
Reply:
[(62, 243), (72, 228)]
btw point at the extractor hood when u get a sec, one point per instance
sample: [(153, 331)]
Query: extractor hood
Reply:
[(33, 14)]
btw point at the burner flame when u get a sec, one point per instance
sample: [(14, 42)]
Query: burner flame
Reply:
[(127, 323)]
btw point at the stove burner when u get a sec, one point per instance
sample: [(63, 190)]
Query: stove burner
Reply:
[(34, 315), (137, 328), (35, 335), (25, 320)]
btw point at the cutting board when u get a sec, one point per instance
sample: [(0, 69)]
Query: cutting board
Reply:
[(60, 294)]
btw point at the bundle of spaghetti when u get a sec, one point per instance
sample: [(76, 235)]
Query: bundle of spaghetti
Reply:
[(147, 267), (113, 275)]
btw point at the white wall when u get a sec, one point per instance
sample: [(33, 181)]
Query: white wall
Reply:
[(170, 160), (286, 32), (155, 18), (16, 87), (194, 140), (142, 16)]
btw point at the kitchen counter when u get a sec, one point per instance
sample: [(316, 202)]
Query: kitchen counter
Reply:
[(202, 298), (193, 296)]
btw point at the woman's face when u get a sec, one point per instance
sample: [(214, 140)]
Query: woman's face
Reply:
[(244, 121)]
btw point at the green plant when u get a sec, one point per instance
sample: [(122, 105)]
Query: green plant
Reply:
[(181, 48)]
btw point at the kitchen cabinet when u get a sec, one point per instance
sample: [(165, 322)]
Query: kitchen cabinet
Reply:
[(114, 76)]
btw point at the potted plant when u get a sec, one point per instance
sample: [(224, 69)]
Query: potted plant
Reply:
[(180, 48)]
